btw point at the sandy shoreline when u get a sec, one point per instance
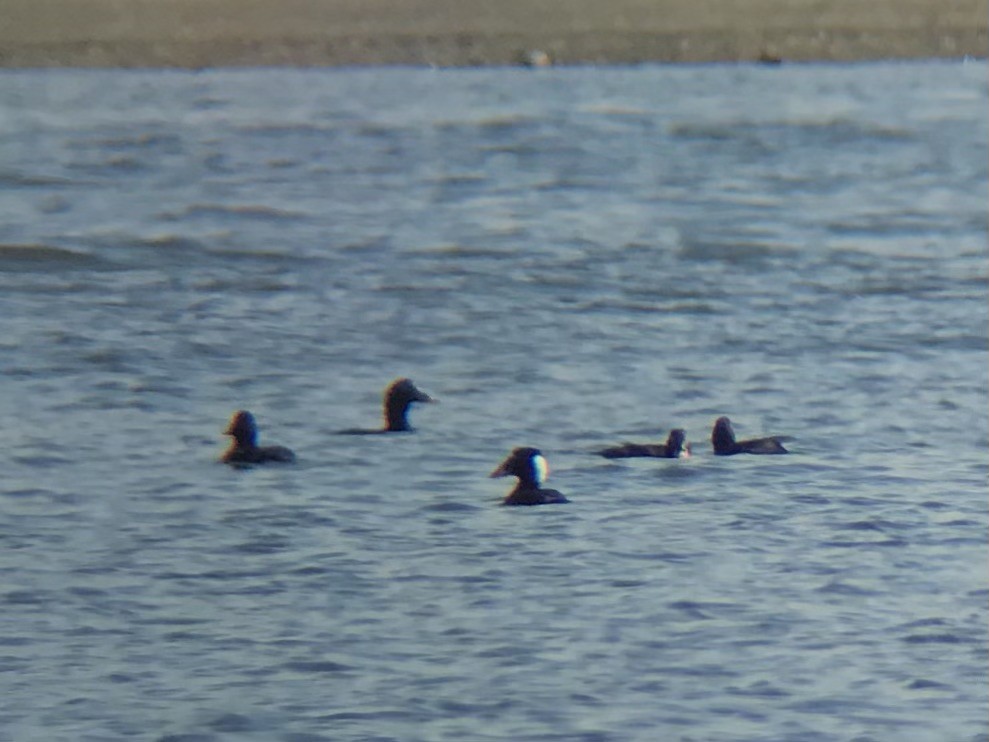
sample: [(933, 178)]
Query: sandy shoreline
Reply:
[(213, 33)]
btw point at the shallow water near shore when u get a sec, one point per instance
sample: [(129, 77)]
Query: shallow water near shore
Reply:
[(565, 258)]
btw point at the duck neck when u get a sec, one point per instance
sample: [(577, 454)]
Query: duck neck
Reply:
[(527, 483), (396, 417), (246, 439)]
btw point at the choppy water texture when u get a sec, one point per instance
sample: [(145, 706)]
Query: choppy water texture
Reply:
[(567, 259)]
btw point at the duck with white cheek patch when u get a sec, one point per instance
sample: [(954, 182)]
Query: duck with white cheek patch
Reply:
[(529, 465)]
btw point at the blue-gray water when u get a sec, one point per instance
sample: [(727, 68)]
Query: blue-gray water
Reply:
[(566, 258)]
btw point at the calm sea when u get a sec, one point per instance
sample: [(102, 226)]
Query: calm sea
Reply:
[(566, 258)]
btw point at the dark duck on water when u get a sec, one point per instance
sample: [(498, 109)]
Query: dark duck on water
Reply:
[(529, 465), (398, 398), (676, 447), (245, 449), (724, 443)]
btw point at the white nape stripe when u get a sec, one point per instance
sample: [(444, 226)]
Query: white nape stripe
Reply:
[(540, 468)]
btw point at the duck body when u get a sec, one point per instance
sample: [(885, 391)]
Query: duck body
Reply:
[(676, 447), (398, 398), (258, 455), (245, 449), (530, 467), (724, 442)]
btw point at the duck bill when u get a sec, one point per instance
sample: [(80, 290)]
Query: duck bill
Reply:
[(501, 471)]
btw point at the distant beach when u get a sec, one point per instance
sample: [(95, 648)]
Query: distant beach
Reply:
[(232, 33)]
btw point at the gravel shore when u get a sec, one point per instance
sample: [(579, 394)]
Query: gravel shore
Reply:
[(215, 33)]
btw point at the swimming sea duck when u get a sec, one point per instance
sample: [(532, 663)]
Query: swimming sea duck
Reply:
[(398, 397), (676, 447), (529, 465), (723, 440), (245, 448)]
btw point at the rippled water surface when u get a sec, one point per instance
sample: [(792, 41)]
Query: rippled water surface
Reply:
[(566, 259)]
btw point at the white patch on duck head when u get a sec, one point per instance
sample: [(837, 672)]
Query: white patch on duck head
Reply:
[(540, 468)]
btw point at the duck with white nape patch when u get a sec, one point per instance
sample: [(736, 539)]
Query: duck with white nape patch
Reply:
[(530, 467)]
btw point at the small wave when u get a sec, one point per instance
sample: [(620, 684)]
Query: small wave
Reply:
[(886, 225), (694, 131), (861, 544), (30, 492), (514, 148), (25, 597), (870, 525), (923, 623), (502, 123), (232, 723), (845, 130), (316, 666), (116, 164), (141, 141), (460, 251), (923, 684), (114, 360), (660, 306), (839, 587), (738, 253), (827, 131), (934, 639), (54, 204), (434, 287), (450, 507), (458, 179), (701, 609), (268, 543), (43, 257), (377, 130), (30, 180), (760, 689), (563, 183), (286, 129), (172, 243), (239, 211), (611, 109)]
